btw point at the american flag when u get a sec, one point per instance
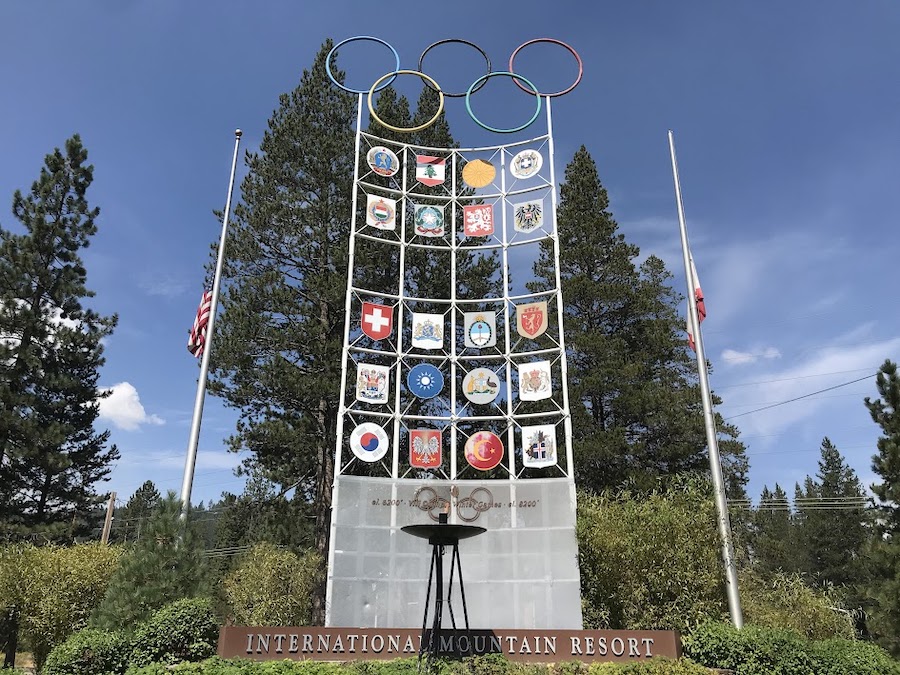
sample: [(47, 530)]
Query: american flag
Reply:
[(197, 336)]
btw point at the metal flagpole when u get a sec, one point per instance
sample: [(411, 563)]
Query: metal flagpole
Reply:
[(715, 464), (191, 460)]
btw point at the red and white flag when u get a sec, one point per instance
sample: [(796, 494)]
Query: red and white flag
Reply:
[(701, 305), (197, 336)]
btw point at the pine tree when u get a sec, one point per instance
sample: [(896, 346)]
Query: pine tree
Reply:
[(636, 409), (885, 549), (772, 542), (166, 564), (393, 109), (51, 458), (261, 514), (277, 357), (831, 532), (130, 519)]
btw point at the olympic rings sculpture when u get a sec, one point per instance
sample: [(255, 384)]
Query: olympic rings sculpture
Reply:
[(519, 80)]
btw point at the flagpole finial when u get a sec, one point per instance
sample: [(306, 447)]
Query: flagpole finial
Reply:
[(238, 132)]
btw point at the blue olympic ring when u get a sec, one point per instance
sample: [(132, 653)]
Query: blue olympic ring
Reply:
[(477, 121), (354, 39)]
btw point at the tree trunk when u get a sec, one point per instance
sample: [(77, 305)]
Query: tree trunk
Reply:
[(11, 638), (324, 482), (42, 501)]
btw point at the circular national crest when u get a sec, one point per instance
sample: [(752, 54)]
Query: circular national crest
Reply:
[(481, 386), (526, 164), (369, 442), (484, 450), (425, 381), (383, 161), (479, 173)]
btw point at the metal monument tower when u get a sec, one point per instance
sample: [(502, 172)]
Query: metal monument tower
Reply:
[(453, 390)]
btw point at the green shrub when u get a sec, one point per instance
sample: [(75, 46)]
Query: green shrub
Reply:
[(655, 667), (650, 561), (766, 651), (786, 601), (184, 630), (89, 652), (750, 651), (58, 589), (273, 587), (490, 664), (843, 657)]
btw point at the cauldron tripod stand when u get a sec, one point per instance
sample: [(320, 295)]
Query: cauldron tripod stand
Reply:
[(439, 536)]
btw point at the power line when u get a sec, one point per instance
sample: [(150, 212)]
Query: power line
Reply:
[(792, 379), (798, 398)]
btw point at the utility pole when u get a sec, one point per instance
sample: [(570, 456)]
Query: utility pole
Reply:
[(104, 539)]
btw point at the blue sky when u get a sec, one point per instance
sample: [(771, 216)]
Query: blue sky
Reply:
[(788, 139)]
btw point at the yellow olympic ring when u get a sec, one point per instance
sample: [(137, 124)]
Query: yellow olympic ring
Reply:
[(407, 130)]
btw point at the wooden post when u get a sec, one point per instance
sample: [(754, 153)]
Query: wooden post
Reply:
[(104, 539)]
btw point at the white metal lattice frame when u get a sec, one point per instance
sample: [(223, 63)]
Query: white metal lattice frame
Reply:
[(397, 418)]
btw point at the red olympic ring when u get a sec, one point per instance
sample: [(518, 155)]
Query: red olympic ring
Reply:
[(555, 42)]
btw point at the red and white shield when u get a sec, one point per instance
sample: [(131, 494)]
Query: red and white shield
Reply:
[(377, 320), (425, 448), (531, 319)]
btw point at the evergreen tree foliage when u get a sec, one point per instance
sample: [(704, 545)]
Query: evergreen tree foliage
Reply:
[(394, 109), (885, 413), (636, 408), (51, 458), (773, 545), (277, 358), (165, 565), (885, 549), (260, 515), (831, 533), (130, 519)]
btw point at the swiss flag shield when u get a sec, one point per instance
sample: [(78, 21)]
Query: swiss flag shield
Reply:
[(377, 320)]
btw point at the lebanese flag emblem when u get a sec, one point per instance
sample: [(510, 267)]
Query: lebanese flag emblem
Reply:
[(377, 320), (430, 170)]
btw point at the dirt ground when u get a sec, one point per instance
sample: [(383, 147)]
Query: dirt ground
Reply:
[(25, 662)]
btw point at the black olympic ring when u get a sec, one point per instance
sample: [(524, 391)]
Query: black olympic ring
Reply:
[(484, 55), (384, 81)]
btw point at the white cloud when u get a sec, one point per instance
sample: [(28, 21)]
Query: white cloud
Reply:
[(827, 367), (164, 285), (123, 408), (734, 358)]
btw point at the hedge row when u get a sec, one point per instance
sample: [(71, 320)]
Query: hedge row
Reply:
[(754, 650), (478, 665)]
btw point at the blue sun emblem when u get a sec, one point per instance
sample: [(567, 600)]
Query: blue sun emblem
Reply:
[(425, 381)]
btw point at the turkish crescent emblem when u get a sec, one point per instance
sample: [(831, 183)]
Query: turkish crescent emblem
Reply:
[(484, 450)]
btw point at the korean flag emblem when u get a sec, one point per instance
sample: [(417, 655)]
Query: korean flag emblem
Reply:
[(369, 442)]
